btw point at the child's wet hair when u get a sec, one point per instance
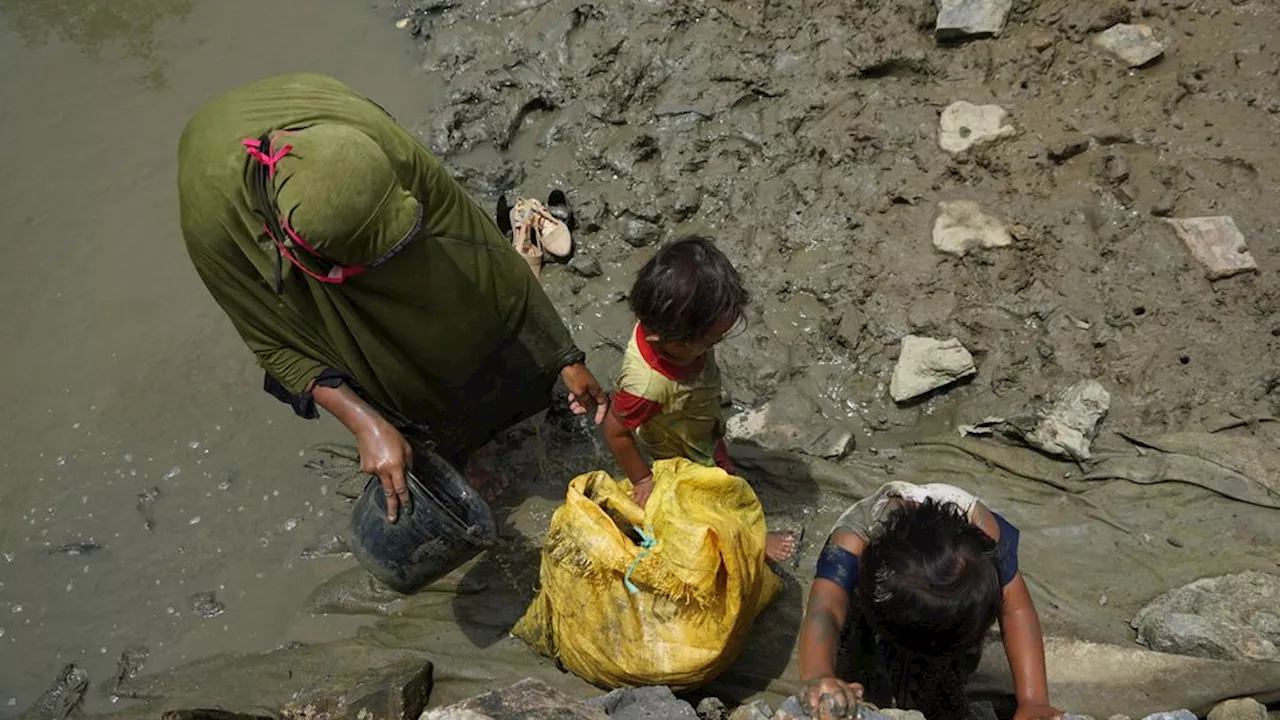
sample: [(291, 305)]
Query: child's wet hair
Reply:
[(930, 582), (686, 289)]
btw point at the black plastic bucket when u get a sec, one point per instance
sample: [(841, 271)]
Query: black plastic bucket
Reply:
[(448, 525)]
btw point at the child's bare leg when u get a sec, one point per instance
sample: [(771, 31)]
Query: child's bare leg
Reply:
[(779, 546)]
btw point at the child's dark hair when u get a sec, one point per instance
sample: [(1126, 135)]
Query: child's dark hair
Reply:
[(686, 289), (930, 582)]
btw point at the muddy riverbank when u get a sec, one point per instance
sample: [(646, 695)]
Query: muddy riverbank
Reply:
[(801, 134)]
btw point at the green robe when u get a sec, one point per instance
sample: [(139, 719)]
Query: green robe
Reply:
[(453, 333)]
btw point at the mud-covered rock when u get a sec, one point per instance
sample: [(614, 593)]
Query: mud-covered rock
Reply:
[(528, 699), (1067, 426), (962, 227), (926, 364), (790, 709), (756, 710), (1230, 617), (964, 125), (397, 692), (791, 422), (712, 708), (1067, 146), (1135, 45), (1239, 709), (644, 703)]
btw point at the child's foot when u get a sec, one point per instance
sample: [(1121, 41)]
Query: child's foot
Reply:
[(779, 546), (483, 476)]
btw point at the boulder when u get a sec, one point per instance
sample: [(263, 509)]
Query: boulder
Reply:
[(757, 710), (964, 125), (926, 364), (528, 699), (1217, 243), (961, 227), (644, 703), (398, 692), (1230, 617), (959, 19), (1239, 709), (1135, 45), (790, 709)]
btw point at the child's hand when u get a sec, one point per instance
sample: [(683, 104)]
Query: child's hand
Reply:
[(1031, 711), (829, 698), (641, 491)]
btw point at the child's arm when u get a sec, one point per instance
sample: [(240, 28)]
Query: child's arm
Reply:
[(627, 453), (1020, 629), (1024, 644), (823, 694)]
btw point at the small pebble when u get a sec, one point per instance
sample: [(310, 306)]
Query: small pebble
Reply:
[(402, 23), (1175, 542)]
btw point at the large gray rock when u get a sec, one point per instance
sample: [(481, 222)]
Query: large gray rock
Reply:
[(1239, 709), (528, 699), (758, 710), (926, 364), (644, 703), (1231, 617), (1135, 45), (1172, 715), (964, 125), (397, 692), (791, 422), (958, 19), (961, 227)]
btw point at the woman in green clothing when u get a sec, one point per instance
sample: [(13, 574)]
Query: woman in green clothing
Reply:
[(365, 279)]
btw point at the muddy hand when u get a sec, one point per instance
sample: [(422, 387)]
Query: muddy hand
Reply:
[(829, 698), (384, 452), (585, 392)]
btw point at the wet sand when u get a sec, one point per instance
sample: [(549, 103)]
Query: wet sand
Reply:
[(120, 374)]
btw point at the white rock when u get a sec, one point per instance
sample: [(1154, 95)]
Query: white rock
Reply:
[(1135, 45), (1217, 243), (971, 18), (926, 364), (961, 226), (1069, 425), (790, 422), (964, 125)]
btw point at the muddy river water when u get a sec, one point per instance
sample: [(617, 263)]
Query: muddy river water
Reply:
[(128, 399)]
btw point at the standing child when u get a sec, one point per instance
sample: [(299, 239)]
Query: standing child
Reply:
[(686, 299)]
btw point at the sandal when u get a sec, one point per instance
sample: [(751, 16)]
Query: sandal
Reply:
[(549, 232), (523, 238)]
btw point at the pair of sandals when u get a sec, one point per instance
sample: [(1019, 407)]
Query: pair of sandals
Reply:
[(538, 231)]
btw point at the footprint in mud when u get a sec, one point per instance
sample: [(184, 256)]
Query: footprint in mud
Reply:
[(83, 547), (127, 668), (63, 699)]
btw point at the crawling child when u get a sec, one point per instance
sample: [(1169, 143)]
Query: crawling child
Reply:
[(686, 299), (910, 581)]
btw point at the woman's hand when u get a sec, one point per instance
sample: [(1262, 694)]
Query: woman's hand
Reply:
[(384, 452), (585, 393), (830, 698)]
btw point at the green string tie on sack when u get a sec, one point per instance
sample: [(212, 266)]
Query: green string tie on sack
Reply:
[(648, 542)]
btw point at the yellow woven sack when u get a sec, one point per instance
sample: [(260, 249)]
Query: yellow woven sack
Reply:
[(619, 614)]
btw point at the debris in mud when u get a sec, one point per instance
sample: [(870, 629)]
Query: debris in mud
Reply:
[(1217, 243), (585, 265), (1067, 427), (958, 19), (63, 699), (128, 667), (528, 699), (146, 502), (206, 605), (1135, 45), (84, 547), (332, 546), (1067, 147), (644, 703), (961, 226), (1230, 617), (926, 364), (964, 125), (790, 422), (1239, 709)]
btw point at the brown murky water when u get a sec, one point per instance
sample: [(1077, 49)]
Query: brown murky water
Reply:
[(120, 375)]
